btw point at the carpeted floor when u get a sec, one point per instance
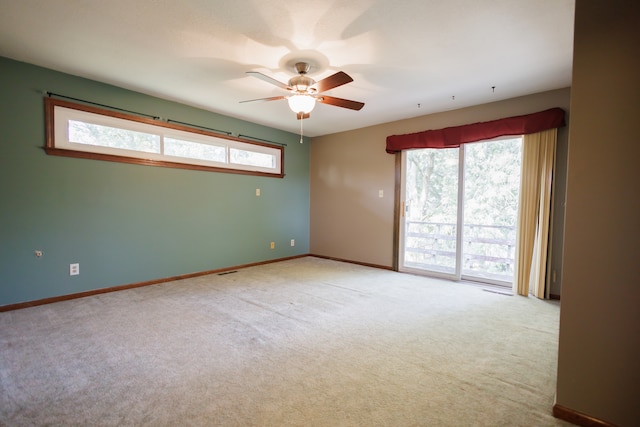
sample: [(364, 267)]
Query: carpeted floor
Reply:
[(305, 342)]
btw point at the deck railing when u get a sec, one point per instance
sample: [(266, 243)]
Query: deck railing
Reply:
[(488, 250)]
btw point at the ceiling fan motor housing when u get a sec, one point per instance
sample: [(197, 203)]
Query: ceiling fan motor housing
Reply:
[(302, 84)]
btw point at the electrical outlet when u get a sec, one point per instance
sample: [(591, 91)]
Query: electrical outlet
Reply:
[(293, 242), (381, 194), (74, 269), (257, 191), (273, 245)]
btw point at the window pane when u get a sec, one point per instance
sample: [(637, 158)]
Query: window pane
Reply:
[(105, 136), (491, 194), (432, 209), (194, 150), (110, 137), (252, 158)]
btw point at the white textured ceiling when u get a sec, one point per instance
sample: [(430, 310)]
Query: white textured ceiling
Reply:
[(407, 57)]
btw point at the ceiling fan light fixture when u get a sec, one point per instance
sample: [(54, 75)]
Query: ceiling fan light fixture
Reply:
[(301, 103)]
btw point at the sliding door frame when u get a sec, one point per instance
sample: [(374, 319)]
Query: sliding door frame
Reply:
[(400, 213)]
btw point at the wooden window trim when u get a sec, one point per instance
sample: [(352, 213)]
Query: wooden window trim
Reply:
[(50, 148)]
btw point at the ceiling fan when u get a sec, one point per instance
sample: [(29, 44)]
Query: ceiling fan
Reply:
[(305, 91)]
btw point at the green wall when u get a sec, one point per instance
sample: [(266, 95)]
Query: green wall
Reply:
[(130, 223)]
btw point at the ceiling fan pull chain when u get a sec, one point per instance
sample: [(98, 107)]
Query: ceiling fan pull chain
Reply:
[(301, 120)]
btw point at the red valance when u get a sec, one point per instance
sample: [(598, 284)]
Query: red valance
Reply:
[(452, 137)]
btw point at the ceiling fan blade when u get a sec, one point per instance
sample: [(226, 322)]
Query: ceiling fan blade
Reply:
[(339, 102), (301, 116), (338, 79), (269, 79), (273, 98)]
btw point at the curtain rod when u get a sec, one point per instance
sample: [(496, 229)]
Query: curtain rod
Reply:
[(262, 140), (100, 105)]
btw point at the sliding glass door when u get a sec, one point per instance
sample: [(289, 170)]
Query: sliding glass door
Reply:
[(460, 210)]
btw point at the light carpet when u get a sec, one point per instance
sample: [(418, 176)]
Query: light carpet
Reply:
[(304, 342)]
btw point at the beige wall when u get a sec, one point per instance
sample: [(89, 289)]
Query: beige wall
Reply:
[(348, 219), (599, 348)]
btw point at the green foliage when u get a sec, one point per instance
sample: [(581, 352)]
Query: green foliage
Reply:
[(492, 181), (106, 136), (193, 150)]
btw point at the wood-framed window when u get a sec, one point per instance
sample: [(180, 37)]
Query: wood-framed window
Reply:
[(83, 131)]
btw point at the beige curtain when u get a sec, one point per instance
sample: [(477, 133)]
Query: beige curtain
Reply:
[(538, 161)]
